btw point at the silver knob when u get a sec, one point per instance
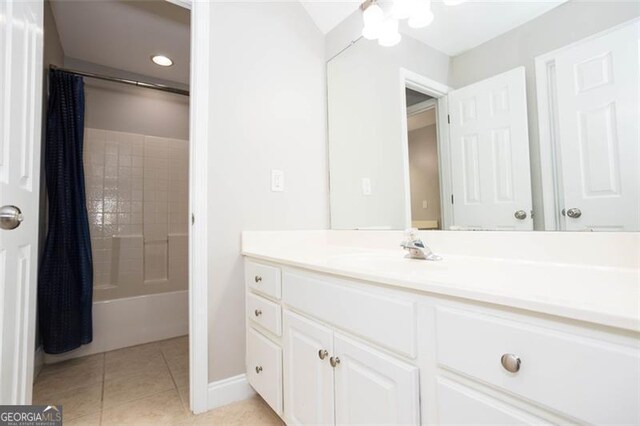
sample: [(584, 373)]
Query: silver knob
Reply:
[(258, 369), (257, 312), (10, 217), (334, 360), (520, 215), (510, 362), (322, 353), (574, 213), (257, 278)]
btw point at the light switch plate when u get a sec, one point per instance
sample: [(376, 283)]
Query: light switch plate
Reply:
[(366, 186), (277, 180), (425, 204)]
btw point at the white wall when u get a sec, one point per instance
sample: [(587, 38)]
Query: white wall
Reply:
[(365, 129), (267, 112), (113, 106), (561, 26)]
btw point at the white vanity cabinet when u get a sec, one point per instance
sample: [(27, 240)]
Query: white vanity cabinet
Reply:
[(323, 349), (331, 377)]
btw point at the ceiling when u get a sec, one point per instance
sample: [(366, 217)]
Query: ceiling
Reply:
[(455, 29), (124, 34)]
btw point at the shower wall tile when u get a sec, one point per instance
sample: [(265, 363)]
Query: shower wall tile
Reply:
[(137, 200)]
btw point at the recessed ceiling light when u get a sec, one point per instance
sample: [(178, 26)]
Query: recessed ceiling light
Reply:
[(162, 60)]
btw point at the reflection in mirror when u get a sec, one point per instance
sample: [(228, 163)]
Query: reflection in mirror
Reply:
[(525, 120)]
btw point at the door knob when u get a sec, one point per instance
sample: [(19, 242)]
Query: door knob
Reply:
[(258, 369), (520, 215), (574, 213), (257, 278), (10, 217), (322, 353), (257, 312), (334, 360), (510, 362)]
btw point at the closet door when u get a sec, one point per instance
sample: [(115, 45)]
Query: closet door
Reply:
[(372, 387), (308, 376)]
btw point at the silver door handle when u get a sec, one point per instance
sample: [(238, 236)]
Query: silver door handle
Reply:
[(574, 213), (520, 215), (10, 217), (334, 360), (322, 353)]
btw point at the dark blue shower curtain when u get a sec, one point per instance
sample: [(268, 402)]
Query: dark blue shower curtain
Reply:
[(65, 280)]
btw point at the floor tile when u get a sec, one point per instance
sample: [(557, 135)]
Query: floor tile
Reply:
[(128, 388), (90, 420), (133, 363), (162, 408), (73, 376), (75, 402)]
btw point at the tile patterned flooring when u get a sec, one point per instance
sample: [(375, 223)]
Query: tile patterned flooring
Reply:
[(146, 384)]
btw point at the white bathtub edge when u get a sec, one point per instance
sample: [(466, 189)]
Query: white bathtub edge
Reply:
[(131, 321)]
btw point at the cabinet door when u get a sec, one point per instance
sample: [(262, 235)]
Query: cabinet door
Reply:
[(308, 379), (372, 387)]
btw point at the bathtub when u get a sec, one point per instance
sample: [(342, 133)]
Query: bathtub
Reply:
[(131, 321)]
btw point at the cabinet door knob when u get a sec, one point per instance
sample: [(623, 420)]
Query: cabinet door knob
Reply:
[(322, 353), (334, 360), (258, 369), (510, 362), (257, 312), (257, 278)]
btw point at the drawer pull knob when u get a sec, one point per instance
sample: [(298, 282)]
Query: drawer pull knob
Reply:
[(510, 362), (334, 360), (257, 312), (257, 278), (322, 353), (258, 369)]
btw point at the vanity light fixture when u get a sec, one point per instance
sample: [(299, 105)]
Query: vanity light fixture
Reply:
[(385, 28), (162, 60)]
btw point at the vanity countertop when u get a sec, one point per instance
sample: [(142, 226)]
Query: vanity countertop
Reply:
[(575, 287)]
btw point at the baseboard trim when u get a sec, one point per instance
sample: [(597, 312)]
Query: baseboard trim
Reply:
[(229, 390)]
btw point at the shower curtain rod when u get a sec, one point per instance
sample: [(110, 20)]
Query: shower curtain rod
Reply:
[(154, 86)]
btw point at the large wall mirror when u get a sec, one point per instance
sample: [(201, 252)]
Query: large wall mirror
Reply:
[(497, 116)]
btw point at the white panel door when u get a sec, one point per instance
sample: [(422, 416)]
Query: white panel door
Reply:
[(490, 170), (374, 388), (21, 33), (308, 377), (598, 122)]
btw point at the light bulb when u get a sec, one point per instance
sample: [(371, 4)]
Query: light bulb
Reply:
[(373, 15), (389, 35), (401, 9), (421, 15), (371, 32)]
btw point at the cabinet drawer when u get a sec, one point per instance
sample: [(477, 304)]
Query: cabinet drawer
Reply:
[(264, 368), (458, 405), (264, 312), (387, 320), (263, 279), (590, 380)]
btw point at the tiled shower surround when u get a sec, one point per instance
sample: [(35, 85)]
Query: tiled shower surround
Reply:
[(137, 199)]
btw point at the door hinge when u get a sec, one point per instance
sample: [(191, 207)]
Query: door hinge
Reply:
[(451, 198), (193, 218), (448, 119)]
